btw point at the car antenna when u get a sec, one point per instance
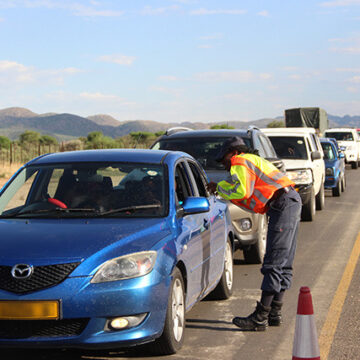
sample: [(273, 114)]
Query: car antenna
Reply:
[(138, 139)]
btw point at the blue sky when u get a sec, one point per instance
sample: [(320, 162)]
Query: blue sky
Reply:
[(180, 60)]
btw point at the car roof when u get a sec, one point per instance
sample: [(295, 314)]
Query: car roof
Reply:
[(340, 129), (207, 133), (291, 131), (108, 155)]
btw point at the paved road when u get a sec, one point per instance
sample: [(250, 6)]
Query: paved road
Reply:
[(324, 249)]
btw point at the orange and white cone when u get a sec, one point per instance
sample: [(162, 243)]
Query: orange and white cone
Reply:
[(306, 345)]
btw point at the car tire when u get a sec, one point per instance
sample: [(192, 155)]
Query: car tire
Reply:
[(172, 337), (320, 198), (336, 191), (354, 165), (343, 183), (224, 288), (254, 254), (309, 209)]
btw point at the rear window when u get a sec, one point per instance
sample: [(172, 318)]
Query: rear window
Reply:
[(341, 135), (289, 147), (204, 150)]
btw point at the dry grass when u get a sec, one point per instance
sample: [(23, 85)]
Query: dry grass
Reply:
[(6, 171)]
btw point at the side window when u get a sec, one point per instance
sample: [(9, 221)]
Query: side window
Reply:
[(258, 146), (199, 179), (313, 141), (267, 147), (182, 187)]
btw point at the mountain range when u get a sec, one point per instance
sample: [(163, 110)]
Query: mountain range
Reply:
[(15, 120)]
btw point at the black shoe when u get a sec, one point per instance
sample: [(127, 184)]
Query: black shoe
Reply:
[(257, 321), (275, 318)]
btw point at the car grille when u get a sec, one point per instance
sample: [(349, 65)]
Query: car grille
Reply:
[(25, 329), (41, 278)]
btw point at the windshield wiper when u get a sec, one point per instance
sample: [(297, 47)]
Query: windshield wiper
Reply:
[(130, 208), (44, 211)]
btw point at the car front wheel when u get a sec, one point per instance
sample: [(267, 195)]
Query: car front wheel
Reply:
[(172, 337), (336, 191), (320, 198), (309, 208)]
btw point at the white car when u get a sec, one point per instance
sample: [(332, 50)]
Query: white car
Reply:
[(349, 140), (302, 154)]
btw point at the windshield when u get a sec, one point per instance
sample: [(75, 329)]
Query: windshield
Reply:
[(204, 150), (291, 147), (328, 151), (341, 135), (85, 190)]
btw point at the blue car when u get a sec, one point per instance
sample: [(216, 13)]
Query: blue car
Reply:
[(109, 249), (334, 165)]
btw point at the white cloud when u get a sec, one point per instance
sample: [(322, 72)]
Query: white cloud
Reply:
[(289, 68), (352, 90), (74, 8), (14, 72), (295, 77), (338, 3), (118, 59), (355, 79), (347, 50), (168, 78), (263, 13), (212, 37), (149, 10), (204, 11), (354, 70), (231, 76), (205, 46)]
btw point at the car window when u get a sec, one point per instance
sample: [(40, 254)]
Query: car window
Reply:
[(204, 150), (289, 147), (99, 187), (313, 142), (340, 135), (182, 186), (270, 153), (199, 179), (329, 153), (259, 146)]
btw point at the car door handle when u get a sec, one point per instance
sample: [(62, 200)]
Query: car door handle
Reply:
[(221, 214), (206, 224)]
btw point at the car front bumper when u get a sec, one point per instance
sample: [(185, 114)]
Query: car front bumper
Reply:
[(95, 304)]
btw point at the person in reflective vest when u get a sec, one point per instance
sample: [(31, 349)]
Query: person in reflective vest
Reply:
[(258, 186)]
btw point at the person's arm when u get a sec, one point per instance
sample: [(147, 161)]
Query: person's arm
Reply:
[(241, 187)]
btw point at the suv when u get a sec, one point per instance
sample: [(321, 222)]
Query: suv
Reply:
[(349, 139), (303, 155), (204, 145)]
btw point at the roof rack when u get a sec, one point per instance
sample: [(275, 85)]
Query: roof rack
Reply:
[(176, 129)]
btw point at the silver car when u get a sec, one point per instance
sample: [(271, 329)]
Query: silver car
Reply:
[(203, 145)]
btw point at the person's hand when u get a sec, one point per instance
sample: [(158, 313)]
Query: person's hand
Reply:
[(211, 187)]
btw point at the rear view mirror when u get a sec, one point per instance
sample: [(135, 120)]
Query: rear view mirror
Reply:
[(341, 155), (195, 205), (315, 155)]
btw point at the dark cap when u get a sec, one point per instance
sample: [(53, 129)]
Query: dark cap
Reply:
[(228, 145)]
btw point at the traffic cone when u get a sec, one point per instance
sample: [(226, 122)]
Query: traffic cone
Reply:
[(306, 345)]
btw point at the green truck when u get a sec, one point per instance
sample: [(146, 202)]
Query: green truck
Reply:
[(307, 117)]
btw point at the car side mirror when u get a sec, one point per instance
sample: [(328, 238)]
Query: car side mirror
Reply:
[(195, 205), (341, 155), (315, 155)]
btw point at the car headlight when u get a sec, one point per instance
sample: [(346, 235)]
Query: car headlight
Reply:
[(300, 177), (126, 267), (329, 171)]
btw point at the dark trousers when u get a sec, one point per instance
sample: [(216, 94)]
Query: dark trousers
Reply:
[(284, 218)]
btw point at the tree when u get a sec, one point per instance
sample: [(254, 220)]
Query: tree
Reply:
[(4, 142), (29, 137), (97, 140), (221, 126), (48, 140), (276, 124)]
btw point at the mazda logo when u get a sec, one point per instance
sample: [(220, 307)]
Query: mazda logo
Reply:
[(22, 271)]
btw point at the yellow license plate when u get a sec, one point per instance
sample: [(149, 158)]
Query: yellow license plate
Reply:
[(29, 310)]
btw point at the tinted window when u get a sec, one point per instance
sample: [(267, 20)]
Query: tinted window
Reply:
[(270, 153), (289, 147), (199, 179), (341, 135), (204, 150)]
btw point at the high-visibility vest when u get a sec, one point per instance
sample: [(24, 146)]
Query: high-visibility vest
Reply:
[(254, 182)]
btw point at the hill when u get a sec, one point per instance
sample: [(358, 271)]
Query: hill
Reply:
[(15, 120)]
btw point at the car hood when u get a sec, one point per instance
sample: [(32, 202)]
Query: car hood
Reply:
[(291, 164), (51, 241)]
